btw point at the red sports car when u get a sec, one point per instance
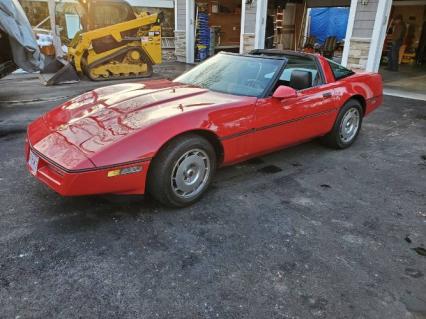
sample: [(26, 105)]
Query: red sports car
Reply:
[(168, 137)]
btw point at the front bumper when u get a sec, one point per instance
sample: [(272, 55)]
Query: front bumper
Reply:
[(89, 181)]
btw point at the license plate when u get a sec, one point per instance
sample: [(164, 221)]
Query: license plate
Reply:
[(33, 162)]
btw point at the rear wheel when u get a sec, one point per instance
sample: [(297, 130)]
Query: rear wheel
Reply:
[(347, 126), (182, 171)]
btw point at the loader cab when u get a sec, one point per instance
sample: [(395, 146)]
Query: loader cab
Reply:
[(103, 13)]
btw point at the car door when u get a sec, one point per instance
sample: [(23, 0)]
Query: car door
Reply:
[(283, 122)]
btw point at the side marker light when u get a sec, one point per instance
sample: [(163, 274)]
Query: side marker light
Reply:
[(125, 171)]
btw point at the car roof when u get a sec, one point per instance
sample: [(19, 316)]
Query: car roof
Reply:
[(281, 53), (271, 54)]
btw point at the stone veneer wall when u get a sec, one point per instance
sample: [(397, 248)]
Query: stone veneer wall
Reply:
[(180, 46), (248, 43), (358, 53), (169, 55)]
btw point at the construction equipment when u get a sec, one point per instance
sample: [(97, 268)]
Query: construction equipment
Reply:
[(114, 43), (127, 49)]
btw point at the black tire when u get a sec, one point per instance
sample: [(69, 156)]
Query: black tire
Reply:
[(164, 165), (334, 139)]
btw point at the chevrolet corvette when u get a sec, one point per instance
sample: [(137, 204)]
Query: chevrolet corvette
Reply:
[(168, 138)]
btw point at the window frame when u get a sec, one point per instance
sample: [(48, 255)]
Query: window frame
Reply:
[(303, 56)]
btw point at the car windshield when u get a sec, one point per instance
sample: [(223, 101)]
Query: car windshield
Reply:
[(234, 74)]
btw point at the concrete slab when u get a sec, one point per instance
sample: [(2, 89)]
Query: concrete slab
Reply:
[(27, 87), (399, 92), (408, 82), (306, 232)]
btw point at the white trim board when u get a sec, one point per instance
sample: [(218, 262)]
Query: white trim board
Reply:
[(243, 25), (409, 3), (379, 34), (176, 16), (134, 3), (260, 28), (349, 31), (190, 31), (152, 3)]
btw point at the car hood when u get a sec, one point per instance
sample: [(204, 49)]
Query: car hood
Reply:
[(97, 119)]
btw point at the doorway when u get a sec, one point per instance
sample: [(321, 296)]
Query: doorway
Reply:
[(214, 26), (410, 79), (310, 26)]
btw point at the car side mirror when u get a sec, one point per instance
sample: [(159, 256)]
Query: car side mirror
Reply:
[(284, 92)]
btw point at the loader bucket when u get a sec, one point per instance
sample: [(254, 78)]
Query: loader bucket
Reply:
[(58, 71)]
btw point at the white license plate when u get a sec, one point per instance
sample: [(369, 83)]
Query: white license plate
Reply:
[(33, 162)]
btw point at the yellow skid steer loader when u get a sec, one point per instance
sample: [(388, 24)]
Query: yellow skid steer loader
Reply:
[(126, 49)]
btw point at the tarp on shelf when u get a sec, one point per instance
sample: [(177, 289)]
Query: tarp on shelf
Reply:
[(326, 22)]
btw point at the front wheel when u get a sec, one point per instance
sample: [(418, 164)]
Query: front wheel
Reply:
[(347, 126), (182, 171)]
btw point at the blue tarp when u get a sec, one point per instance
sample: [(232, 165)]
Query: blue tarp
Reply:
[(327, 22)]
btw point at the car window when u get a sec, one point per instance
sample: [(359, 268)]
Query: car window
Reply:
[(300, 63), (339, 71), (286, 75)]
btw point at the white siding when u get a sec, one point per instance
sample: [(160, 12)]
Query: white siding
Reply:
[(181, 15), (250, 23), (180, 24), (364, 19), (249, 29)]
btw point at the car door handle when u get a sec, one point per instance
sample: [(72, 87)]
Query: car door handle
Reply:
[(327, 95)]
